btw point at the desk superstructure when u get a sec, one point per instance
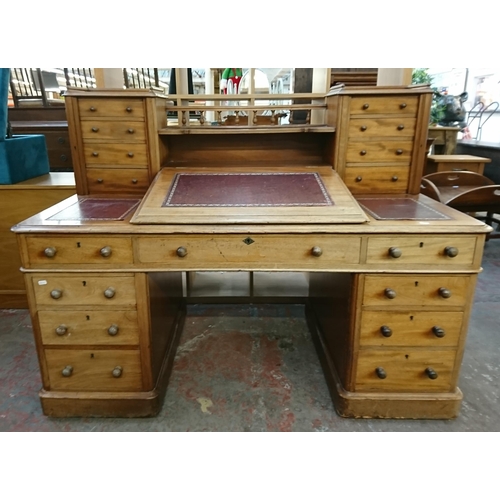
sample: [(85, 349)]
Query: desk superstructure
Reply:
[(391, 272)]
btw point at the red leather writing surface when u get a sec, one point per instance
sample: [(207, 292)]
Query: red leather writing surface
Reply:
[(97, 209), (400, 209)]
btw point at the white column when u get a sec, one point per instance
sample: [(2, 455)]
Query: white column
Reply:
[(394, 76), (111, 78)]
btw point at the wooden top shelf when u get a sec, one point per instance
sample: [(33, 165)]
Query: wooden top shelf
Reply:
[(243, 129)]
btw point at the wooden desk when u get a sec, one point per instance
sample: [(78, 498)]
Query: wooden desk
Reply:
[(445, 139), (388, 303), (17, 202), (441, 163)]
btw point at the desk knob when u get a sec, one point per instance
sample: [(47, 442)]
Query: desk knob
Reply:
[(128, 110), (390, 293), (105, 251), (438, 331), (401, 127), (50, 252), (395, 252), (95, 153), (61, 330), (359, 178), (95, 129), (56, 294), (403, 105), (362, 152), (366, 106), (399, 151), (431, 373), (362, 128), (316, 251), (130, 155), (182, 252), (130, 130), (109, 293), (67, 371), (117, 371), (451, 251), (100, 181), (394, 178), (385, 331), (444, 292), (92, 108), (134, 181), (380, 372), (113, 330)]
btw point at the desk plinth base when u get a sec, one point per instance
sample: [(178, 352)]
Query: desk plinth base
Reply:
[(395, 405)]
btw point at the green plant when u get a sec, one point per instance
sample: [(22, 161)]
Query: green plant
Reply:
[(420, 76)]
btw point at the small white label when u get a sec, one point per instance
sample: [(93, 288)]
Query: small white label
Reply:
[(42, 282)]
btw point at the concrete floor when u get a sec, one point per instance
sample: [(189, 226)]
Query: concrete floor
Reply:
[(254, 368)]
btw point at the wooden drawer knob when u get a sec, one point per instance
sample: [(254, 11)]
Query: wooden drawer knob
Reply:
[(63, 158), (95, 153), (395, 252), (61, 140), (394, 178), (390, 293), (401, 127), (95, 129), (113, 330), (128, 110), (431, 373), (67, 371), (362, 152), (403, 105), (380, 372), (438, 331), (50, 252), (451, 251), (56, 294), (130, 130), (105, 251), (366, 106), (99, 181), (134, 181), (385, 331), (316, 251), (444, 292), (61, 330), (362, 128), (117, 371), (92, 109), (130, 154), (399, 152), (109, 293), (358, 178), (181, 252)]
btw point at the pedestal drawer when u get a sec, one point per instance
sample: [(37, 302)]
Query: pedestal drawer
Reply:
[(94, 369), (133, 154), (402, 370), (379, 151), (103, 250), (416, 290), (89, 327), (360, 128), (129, 131), (84, 290), (110, 180), (119, 108), (369, 180), (410, 328), (403, 105)]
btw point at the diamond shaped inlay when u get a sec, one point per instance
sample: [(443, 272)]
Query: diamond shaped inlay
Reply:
[(248, 241)]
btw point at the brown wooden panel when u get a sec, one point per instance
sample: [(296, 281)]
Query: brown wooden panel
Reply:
[(128, 131), (92, 369), (132, 155), (401, 104), (379, 151), (360, 128), (127, 108), (369, 180), (130, 181)]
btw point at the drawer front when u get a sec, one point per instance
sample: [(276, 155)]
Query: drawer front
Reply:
[(94, 370), (89, 327), (82, 250), (131, 109), (405, 370), (123, 130), (379, 151), (123, 155), (58, 141), (403, 105), (381, 127), (451, 250), (109, 180), (84, 290), (265, 252), (410, 328), (369, 180), (416, 290)]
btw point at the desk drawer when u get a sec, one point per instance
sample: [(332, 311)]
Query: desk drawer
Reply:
[(410, 328), (117, 130), (447, 251), (89, 327), (123, 155), (416, 290), (379, 151), (94, 369), (82, 250), (405, 370), (403, 105), (285, 252), (369, 180), (131, 109), (84, 290), (360, 128), (129, 181)]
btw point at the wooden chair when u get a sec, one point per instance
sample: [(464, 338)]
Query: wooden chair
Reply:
[(468, 192)]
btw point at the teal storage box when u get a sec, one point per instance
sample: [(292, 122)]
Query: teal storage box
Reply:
[(23, 157)]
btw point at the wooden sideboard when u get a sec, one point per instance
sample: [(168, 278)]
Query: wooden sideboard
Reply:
[(17, 202), (391, 273)]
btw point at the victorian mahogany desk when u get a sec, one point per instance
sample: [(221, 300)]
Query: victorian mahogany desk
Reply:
[(391, 272)]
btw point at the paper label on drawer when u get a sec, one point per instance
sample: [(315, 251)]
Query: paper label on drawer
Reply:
[(42, 282)]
